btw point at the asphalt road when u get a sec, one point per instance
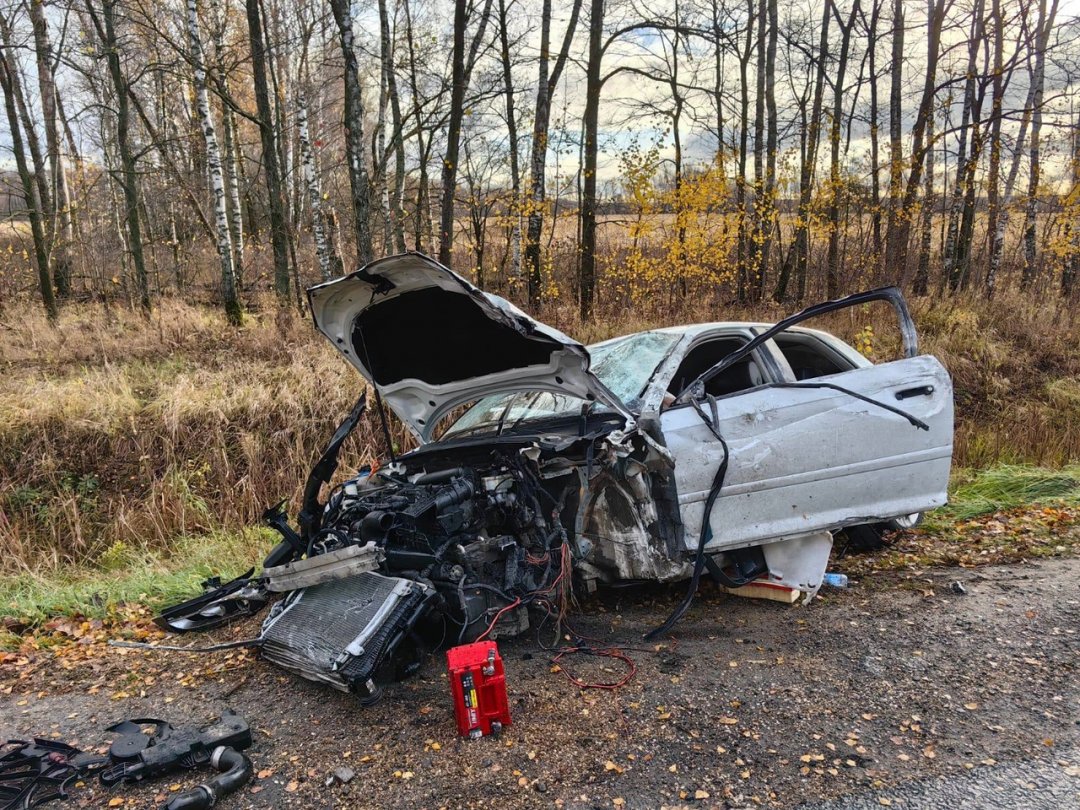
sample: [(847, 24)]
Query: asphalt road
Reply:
[(896, 692)]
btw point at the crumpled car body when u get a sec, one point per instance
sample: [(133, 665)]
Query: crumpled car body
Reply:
[(728, 449)]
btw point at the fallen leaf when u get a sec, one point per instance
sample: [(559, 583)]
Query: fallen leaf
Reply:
[(115, 802), (701, 794), (727, 721), (292, 787)]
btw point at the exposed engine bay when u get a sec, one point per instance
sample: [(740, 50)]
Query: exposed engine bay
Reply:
[(403, 561), (446, 552)]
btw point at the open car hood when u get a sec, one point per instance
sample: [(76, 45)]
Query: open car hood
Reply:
[(430, 341)]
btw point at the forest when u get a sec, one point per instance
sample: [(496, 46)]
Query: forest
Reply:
[(602, 154)]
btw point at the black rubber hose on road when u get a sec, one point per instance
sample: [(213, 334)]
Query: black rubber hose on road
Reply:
[(236, 771)]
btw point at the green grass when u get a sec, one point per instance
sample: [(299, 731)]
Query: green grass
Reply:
[(132, 576), (974, 493)]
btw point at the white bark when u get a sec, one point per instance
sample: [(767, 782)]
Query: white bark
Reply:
[(213, 162), (314, 189), (232, 155)]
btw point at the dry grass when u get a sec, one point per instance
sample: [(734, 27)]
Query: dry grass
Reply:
[(114, 430)]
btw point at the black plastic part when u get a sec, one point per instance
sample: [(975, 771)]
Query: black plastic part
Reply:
[(276, 519), (171, 748), (310, 516), (279, 555), (744, 566), (36, 772), (202, 613), (918, 391), (236, 771)]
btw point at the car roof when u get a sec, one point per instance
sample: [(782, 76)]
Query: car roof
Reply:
[(694, 330)]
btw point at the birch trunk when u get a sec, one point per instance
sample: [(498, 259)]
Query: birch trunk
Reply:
[(354, 133), (233, 310), (232, 155), (1031, 206), (396, 206), (311, 180)]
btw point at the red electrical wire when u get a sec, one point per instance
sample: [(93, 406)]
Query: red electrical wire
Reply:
[(498, 616), (560, 587), (613, 652)]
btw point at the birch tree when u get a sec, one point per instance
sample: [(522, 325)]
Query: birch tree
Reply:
[(359, 183), (233, 311)]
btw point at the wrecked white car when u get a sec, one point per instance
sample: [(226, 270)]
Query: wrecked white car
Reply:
[(728, 449)]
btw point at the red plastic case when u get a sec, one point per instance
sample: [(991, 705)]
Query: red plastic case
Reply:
[(478, 688)]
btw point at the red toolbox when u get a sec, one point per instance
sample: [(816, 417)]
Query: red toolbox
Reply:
[(478, 688)]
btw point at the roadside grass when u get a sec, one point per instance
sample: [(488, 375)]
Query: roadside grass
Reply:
[(1003, 514), (126, 576), (975, 493)]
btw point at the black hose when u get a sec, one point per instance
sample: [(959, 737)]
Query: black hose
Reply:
[(706, 524), (441, 476), (236, 771)]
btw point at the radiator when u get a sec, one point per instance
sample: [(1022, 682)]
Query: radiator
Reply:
[(341, 632)]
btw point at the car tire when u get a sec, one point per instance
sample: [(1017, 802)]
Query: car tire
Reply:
[(871, 536)]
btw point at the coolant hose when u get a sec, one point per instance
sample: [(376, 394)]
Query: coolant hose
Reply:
[(236, 771)]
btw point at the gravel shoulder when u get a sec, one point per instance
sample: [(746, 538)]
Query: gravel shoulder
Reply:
[(896, 692)]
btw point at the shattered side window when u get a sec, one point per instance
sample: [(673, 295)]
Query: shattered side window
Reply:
[(625, 365)]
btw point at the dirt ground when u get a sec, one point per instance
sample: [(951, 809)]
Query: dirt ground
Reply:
[(891, 682)]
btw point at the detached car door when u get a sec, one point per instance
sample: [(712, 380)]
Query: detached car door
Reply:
[(805, 458)]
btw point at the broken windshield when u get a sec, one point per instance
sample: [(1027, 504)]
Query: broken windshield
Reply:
[(625, 365)]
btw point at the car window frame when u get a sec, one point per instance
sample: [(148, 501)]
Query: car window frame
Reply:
[(768, 358)]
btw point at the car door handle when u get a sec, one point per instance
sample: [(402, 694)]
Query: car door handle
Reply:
[(918, 391)]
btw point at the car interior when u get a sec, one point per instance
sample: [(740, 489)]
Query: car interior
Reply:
[(810, 357), (740, 376)]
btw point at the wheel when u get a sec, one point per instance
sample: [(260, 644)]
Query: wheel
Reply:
[(871, 536), (903, 522)]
